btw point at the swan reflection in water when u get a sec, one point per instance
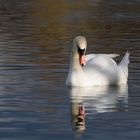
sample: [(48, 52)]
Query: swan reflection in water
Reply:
[(95, 100)]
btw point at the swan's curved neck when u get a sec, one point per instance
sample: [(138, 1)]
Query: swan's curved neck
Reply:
[(74, 61)]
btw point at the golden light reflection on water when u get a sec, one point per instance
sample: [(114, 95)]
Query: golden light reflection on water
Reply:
[(58, 23)]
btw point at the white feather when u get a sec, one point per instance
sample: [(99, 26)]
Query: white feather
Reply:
[(100, 69)]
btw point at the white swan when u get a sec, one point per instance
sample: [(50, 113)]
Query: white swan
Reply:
[(95, 69)]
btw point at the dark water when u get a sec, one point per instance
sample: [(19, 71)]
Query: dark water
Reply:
[(35, 42)]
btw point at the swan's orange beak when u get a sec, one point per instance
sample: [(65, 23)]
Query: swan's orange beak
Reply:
[(81, 53), (82, 60)]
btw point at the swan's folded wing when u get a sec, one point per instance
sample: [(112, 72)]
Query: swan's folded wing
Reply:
[(102, 69), (112, 55), (92, 56), (101, 61)]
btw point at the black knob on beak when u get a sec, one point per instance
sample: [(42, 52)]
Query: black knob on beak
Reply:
[(81, 51)]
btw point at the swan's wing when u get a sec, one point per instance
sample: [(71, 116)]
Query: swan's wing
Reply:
[(112, 55), (101, 70), (92, 56), (100, 61)]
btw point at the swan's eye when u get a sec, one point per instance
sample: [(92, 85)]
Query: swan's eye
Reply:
[(81, 51)]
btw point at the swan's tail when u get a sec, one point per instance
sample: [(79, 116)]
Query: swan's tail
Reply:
[(123, 65), (125, 61)]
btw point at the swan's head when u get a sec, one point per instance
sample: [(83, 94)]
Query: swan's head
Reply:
[(80, 45)]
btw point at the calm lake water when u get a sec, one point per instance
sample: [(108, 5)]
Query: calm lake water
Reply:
[(35, 43)]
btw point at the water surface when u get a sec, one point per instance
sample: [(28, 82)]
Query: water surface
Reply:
[(35, 43)]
